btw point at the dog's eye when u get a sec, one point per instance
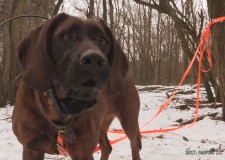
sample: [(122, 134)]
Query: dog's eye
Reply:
[(67, 36), (102, 41)]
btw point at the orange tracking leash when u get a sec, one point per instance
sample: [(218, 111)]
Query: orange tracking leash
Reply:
[(199, 53)]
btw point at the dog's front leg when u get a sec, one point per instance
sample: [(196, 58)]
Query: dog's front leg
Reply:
[(32, 155), (80, 153), (39, 143)]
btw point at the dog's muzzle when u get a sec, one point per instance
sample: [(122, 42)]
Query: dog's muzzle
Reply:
[(86, 76)]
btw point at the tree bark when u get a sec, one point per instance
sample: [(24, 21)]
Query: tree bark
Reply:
[(90, 13), (11, 66), (111, 13), (217, 9), (104, 11)]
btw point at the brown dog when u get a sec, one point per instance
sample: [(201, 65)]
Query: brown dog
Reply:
[(74, 80)]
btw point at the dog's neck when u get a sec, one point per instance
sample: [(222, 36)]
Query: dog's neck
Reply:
[(68, 106), (68, 110)]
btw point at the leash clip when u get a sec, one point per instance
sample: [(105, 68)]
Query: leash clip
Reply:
[(62, 150), (60, 147)]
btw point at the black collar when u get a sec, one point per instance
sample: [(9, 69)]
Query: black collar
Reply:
[(68, 106), (68, 109)]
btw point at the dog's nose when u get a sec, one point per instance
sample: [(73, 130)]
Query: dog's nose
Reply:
[(93, 61)]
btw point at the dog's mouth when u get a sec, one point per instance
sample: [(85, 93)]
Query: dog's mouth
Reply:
[(77, 99), (80, 98), (71, 106), (87, 91)]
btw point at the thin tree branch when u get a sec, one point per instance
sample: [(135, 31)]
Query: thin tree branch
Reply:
[(59, 3), (182, 15), (23, 16), (165, 8)]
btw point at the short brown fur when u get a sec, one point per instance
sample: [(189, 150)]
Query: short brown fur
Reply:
[(34, 112)]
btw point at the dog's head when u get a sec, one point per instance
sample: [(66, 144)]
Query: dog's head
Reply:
[(70, 54)]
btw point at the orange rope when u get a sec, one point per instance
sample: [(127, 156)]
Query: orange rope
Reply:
[(202, 47)]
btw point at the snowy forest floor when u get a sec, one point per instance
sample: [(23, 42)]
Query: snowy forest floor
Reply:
[(204, 141)]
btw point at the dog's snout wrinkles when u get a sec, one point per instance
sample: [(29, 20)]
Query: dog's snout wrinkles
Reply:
[(93, 61)]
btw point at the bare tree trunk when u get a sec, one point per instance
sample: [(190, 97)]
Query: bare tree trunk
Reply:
[(111, 16), (217, 9), (185, 29), (90, 12), (158, 52), (104, 11), (11, 66)]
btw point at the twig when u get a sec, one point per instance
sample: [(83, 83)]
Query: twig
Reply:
[(7, 118), (23, 16)]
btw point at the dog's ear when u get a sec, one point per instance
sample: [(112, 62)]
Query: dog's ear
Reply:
[(34, 52), (116, 57), (112, 40), (118, 62), (118, 71)]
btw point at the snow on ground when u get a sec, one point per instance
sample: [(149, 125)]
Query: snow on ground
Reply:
[(204, 141)]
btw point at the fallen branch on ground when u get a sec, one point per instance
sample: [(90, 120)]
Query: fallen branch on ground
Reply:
[(148, 88), (199, 118), (7, 119), (211, 105), (183, 107), (181, 92)]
